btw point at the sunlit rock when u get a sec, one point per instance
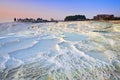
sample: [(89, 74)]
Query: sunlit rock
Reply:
[(79, 50)]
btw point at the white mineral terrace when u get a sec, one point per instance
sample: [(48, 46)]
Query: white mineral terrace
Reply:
[(85, 50)]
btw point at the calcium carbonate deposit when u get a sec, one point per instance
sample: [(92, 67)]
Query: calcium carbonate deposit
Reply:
[(86, 50)]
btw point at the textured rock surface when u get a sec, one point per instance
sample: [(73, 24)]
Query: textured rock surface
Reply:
[(85, 50)]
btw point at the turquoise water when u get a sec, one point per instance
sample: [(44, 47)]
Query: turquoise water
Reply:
[(74, 37)]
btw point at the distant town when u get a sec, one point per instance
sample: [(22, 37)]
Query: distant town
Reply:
[(70, 18)]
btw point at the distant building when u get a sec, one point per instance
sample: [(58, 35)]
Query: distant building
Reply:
[(104, 17), (116, 18)]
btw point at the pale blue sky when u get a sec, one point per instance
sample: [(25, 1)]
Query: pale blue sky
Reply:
[(57, 9)]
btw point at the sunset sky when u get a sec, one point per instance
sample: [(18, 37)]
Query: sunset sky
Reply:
[(56, 9)]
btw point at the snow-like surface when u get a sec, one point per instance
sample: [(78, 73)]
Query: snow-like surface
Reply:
[(60, 51)]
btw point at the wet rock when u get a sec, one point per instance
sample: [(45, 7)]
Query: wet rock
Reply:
[(117, 65)]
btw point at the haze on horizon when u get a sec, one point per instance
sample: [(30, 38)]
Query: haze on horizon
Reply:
[(56, 9)]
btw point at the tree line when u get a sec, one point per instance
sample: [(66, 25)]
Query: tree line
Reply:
[(69, 18), (30, 20), (75, 18)]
